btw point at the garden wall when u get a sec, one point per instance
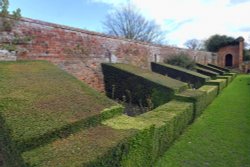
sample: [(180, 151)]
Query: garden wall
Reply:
[(81, 52)]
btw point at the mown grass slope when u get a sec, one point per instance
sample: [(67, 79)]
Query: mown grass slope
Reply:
[(221, 136)]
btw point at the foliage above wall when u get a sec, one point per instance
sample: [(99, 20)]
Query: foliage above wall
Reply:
[(8, 20), (181, 60), (246, 55), (215, 42)]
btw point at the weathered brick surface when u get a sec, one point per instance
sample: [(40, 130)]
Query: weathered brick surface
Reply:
[(235, 50), (7, 56), (81, 52)]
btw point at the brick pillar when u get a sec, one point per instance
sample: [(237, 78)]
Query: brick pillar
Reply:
[(241, 49)]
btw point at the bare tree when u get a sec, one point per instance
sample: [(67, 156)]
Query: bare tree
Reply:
[(127, 22), (193, 44)]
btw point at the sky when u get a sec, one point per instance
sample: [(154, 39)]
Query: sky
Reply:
[(180, 19)]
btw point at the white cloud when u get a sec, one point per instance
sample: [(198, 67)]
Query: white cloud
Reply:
[(186, 19)]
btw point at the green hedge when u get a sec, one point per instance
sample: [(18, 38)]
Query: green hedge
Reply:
[(160, 128), (40, 103), (197, 97), (100, 146), (120, 141), (220, 68), (211, 68), (233, 75), (211, 92), (179, 73), (139, 86), (206, 72), (227, 77), (221, 83)]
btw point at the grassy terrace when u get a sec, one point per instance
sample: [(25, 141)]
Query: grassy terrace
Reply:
[(221, 136), (138, 86), (39, 102), (164, 81)]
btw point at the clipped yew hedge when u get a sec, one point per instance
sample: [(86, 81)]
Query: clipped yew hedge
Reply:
[(188, 76), (120, 141), (228, 78), (138, 86), (221, 72), (220, 68), (201, 97), (158, 129), (206, 72), (233, 75), (211, 92), (40, 103), (221, 83)]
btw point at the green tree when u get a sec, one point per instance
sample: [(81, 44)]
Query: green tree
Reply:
[(4, 10), (215, 42), (8, 23), (4, 5)]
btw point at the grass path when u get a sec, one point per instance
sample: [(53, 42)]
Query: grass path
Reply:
[(221, 136)]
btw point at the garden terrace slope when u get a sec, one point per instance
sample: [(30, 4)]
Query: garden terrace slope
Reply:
[(39, 102), (179, 73), (220, 68), (139, 86), (206, 72), (221, 72)]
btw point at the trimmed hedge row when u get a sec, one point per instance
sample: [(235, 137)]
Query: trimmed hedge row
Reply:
[(40, 103), (179, 73), (120, 141), (141, 87), (220, 68), (206, 72), (221, 83), (201, 98), (211, 68), (211, 93), (231, 74), (228, 78)]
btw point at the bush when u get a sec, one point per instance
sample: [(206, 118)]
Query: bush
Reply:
[(182, 60)]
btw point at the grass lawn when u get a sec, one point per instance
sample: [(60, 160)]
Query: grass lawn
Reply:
[(220, 137)]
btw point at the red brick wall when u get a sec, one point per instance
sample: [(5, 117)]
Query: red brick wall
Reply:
[(81, 52), (235, 50)]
